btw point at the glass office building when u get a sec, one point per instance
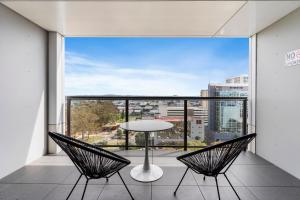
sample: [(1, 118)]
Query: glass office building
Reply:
[(225, 117)]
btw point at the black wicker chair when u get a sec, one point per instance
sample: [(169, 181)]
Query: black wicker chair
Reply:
[(91, 161), (216, 159)]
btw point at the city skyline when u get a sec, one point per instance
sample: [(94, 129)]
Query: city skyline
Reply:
[(151, 66)]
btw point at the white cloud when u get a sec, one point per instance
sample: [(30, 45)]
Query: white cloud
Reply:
[(72, 59), (98, 78)]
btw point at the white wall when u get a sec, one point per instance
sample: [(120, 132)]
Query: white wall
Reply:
[(23, 88), (56, 98), (252, 91), (278, 95)]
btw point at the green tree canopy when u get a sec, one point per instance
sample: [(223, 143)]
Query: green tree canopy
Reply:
[(89, 116)]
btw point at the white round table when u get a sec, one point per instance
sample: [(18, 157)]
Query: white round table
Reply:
[(146, 172)]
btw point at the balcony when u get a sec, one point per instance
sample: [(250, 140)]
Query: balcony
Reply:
[(32, 102)]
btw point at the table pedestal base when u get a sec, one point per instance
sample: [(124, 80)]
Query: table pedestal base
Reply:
[(153, 174)]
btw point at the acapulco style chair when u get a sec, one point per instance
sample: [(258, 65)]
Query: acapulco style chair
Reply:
[(216, 159), (91, 161)]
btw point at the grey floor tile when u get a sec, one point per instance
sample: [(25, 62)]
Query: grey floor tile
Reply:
[(11, 178), (226, 193), (72, 178), (263, 175), (248, 158), (39, 174), (210, 181), (26, 191), (62, 191), (183, 193), (50, 182), (276, 193), (119, 192), (255, 159), (167, 162), (3, 186), (114, 180), (172, 176), (242, 159), (125, 173)]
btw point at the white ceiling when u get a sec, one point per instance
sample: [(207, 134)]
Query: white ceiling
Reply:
[(257, 15), (154, 18)]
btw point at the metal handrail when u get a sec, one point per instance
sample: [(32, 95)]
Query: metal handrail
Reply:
[(117, 97)]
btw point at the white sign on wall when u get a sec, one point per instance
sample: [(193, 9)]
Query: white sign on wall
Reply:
[(292, 58)]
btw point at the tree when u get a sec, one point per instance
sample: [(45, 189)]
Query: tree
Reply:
[(106, 112), (89, 116), (83, 120)]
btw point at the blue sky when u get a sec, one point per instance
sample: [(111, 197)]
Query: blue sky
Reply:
[(151, 66)]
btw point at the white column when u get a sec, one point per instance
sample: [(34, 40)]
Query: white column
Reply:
[(55, 87), (252, 90)]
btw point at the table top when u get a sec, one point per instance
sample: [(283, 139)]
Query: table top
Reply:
[(146, 125)]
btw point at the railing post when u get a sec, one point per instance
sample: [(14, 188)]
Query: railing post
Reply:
[(126, 120), (68, 116), (244, 117), (185, 124)]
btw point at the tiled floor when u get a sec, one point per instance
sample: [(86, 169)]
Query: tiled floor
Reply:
[(52, 177)]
